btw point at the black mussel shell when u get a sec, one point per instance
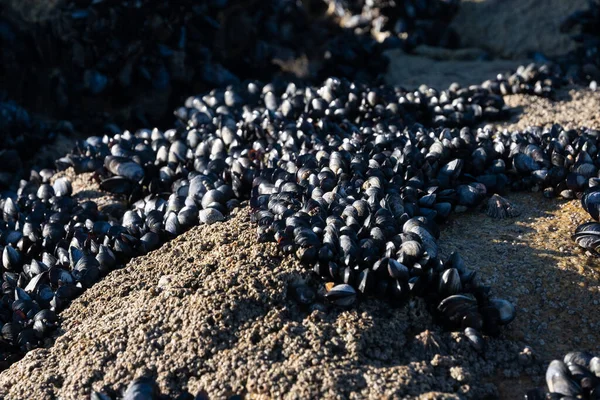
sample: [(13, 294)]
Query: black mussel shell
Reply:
[(341, 295)]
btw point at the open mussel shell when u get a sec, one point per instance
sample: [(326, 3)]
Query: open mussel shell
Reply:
[(587, 236)]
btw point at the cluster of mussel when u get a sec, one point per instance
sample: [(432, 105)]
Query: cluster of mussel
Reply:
[(586, 64), (358, 200), (106, 55), (348, 177), (577, 376), (21, 135), (533, 79), (44, 235), (113, 69), (401, 23), (587, 235), (54, 246), (360, 204), (583, 64)]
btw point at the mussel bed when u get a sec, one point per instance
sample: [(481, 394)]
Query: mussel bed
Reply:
[(351, 179)]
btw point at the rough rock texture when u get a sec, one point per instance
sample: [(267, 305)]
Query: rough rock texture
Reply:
[(532, 261), (573, 108), (516, 28)]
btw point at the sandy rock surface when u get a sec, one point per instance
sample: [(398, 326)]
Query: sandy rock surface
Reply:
[(532, 261), (574, 108)]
